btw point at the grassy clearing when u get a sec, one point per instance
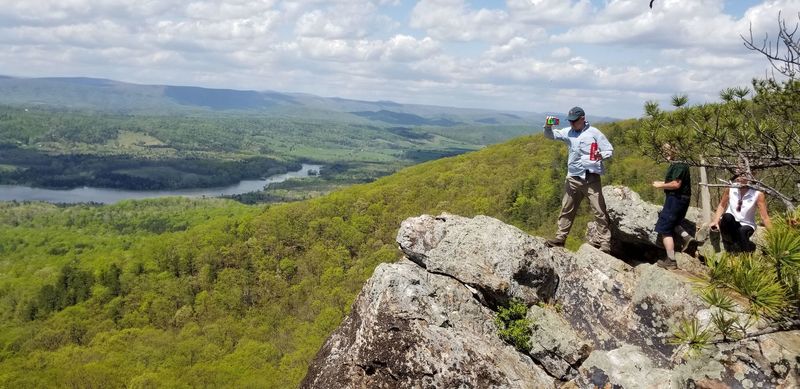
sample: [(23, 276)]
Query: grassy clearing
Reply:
[(8, 168), (129, 139)]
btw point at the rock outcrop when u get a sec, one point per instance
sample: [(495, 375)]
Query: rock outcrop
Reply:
[(632, 224), (597, 321), (411, 328), (632, 221)]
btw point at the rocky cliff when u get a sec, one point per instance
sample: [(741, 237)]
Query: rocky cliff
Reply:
[(596, 320)]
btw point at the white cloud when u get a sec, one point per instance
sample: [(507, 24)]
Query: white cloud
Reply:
[(517, 46), (210, 31), (100, 34), (345, 21), (400, 48), (454, 20), (675, 24), (209, 10), (551, 12), (561, 52), (337, 49), (74, 11), (701, 58), (404, 48)]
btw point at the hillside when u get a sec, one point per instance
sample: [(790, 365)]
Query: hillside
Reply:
[(183, 293)]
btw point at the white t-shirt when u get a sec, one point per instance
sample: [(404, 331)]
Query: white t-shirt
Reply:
[(746, 214)]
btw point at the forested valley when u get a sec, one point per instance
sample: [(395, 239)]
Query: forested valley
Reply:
[(61, 148)]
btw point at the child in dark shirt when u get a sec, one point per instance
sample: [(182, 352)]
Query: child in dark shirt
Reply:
[(677, 187)]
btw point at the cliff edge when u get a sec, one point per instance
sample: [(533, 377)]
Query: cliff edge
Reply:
[(596, 320)]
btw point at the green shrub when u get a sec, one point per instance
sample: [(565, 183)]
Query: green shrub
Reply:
[(768, 280), (754, 277), (690, 333), (783, 251), (513, 326), (715, 297)]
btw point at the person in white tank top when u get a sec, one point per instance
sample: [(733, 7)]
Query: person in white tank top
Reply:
[(736, 216)]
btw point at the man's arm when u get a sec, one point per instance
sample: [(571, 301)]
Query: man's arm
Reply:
[(604, 147), (550, 134)]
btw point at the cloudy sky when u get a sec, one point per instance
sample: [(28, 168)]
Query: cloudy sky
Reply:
[(608, 56)]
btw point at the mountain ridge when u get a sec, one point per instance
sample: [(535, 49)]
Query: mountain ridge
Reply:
[(119, 96)]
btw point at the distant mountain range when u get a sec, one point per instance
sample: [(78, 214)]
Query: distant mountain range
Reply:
[(80, 93)]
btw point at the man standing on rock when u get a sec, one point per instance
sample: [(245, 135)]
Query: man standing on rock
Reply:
[(677, 187), (588, 147)]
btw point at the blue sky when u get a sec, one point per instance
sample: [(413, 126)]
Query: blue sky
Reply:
[(609, 56)]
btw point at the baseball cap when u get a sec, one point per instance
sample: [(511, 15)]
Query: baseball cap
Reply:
[(575, 113)]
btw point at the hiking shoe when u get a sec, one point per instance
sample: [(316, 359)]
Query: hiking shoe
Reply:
[(600, 247), (554, 243), (669, 264), (605, 249), (688, 245)]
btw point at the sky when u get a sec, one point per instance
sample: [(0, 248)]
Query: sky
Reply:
[(608, 56)]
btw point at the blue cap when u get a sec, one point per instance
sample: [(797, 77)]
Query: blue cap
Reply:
[(575, 113)]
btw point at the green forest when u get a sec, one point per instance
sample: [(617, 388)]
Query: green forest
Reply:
[(193, 293)]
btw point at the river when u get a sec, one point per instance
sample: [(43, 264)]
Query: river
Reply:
[(110, 196)]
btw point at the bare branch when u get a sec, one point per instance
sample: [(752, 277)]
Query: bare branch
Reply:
[(783, 59), (788, 326), (756, 135), (760, 186)]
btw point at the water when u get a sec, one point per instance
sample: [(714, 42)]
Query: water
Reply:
[(110, 196)]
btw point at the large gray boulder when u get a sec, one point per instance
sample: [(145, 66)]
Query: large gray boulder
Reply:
[(483, 253), (632, 225), (596, 321), (633, 220), (412, 328)]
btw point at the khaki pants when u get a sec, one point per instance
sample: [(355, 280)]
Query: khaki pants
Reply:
[(575, 189)]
